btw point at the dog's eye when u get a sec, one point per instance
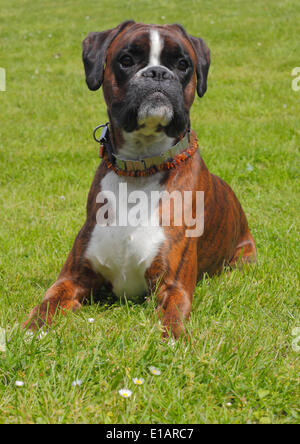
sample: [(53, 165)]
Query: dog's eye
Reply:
[(182, 65), (126, 61)]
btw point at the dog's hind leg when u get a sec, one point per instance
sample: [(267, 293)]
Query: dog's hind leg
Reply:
[(245, 252)]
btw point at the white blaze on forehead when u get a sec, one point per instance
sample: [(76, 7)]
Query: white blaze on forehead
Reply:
[(156, 45)]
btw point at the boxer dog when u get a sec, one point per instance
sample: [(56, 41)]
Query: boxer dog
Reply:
[(150, 74)]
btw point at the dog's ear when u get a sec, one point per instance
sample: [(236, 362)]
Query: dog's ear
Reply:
[(94, 50), (203, 61)]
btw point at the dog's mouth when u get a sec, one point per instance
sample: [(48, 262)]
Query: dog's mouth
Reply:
[(156, 109), (151, 109)]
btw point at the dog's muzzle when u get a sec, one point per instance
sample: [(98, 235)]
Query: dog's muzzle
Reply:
[(156, 105), (154, 98)]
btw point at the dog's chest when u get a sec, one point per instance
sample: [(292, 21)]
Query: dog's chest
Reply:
[(122, 254)]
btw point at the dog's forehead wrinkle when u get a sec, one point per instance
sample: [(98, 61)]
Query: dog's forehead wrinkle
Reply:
[(138, 42)]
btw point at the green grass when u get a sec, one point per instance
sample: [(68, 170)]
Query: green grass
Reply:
[(248, 126)]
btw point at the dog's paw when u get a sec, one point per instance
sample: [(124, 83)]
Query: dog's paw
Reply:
[(173, 329), (35, 320)]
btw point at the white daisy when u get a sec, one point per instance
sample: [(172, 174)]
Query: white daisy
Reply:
[(19, 383), (138, 381), (125, 393), (91, 320), (155, 371), (76, 382)]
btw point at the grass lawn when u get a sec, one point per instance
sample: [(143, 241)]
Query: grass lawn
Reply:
[(241, 365)]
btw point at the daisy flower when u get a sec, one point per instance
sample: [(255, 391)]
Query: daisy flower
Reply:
[(76, 382), (138, 381), (155, 371), (91, 320), (125, 393), (19, 383)]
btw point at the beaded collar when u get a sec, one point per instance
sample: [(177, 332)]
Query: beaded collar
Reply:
[(147, 166)]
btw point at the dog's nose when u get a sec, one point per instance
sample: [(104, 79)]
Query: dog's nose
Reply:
[(157, 73)]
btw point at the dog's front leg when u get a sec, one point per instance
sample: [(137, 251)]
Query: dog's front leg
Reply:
[(74, 284), (64, 294), (175, 294), (174, 307)]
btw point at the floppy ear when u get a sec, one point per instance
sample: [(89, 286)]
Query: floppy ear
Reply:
[(94, 50), (203, 61)]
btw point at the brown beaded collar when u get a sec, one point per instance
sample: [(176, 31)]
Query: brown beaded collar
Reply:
[(167, 160)]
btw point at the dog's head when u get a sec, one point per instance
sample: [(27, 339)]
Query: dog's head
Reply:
[(149, 74)]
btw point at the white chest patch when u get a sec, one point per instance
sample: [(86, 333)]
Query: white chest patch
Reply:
[(122, 254)]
